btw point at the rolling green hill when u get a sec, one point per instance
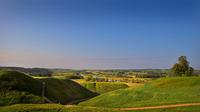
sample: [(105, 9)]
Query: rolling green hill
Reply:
[(16, 87), (159, 92), (65, 90)]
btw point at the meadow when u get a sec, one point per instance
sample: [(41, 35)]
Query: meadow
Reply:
[(158, 92), (21, 92), (177, 109), (52, 108)]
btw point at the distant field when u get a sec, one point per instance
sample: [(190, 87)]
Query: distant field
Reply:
[(103, 87), (159, 92), (80, 81)]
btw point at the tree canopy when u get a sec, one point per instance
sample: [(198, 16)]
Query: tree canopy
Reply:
[(182, 68)]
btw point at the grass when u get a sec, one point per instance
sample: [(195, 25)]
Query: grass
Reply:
[(103, 87), (8, 97), (178, 109), (159, 92), (70, 108), (31, 108), (80, 81), (62, 91), (134, 85), (51, 108), (14, 80), (87, 109), (16, 87)]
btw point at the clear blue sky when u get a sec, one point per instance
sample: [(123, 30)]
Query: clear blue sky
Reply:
[(99, 34)]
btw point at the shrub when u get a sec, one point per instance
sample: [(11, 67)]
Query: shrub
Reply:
[(13, 97)]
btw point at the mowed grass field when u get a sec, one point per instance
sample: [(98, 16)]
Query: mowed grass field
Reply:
[(176, 109), (70, 108), (52, 108), (158, 92)]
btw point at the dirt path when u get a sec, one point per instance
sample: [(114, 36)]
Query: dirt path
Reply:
[(160, 107)]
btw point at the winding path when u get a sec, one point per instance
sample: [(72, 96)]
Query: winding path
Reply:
[(160, 107)]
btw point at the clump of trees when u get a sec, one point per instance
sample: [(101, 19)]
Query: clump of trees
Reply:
[(89, 78), (182, 68)]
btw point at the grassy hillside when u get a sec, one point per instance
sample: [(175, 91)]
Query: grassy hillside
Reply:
[(51, 108), (16, 87), (158, 92), (14, 80), (178, 109), (64, 90), (103, 87)]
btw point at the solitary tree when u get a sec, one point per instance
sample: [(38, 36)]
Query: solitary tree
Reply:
[(182, 68)]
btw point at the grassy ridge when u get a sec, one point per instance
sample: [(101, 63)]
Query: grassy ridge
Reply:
[(159, 92), (64, 90), (8, 97), (14, 80), (103, 87), (16, 87)]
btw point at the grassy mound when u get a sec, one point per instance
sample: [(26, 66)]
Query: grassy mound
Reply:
[(16, 87), (159, 92), (14, 80), (64, 90), (103, 87), (51, 108), (8, 97)]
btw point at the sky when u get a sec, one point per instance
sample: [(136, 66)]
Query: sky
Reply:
[(99, 34)]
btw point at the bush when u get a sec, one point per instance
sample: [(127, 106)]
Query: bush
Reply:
[(88, 78), (138, 80), (13, 97)]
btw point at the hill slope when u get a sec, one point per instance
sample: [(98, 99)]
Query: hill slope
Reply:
[(16, 85), (65, 90), (159, 92)]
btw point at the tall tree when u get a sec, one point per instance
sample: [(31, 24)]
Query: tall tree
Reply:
[(182, 68)]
